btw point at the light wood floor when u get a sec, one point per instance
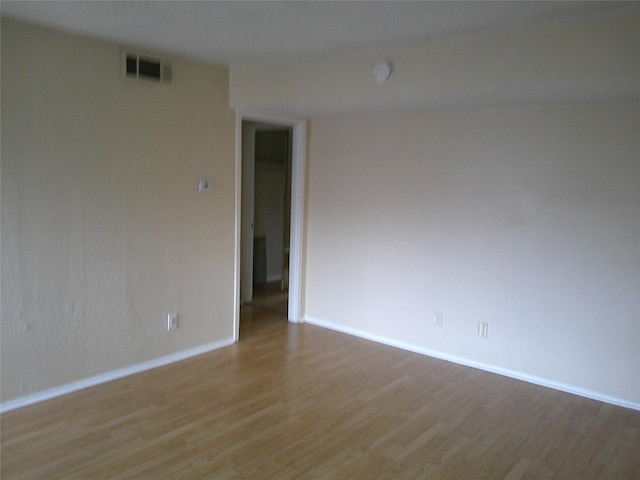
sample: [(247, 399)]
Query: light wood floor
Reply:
[(270, 296), (297, 401)]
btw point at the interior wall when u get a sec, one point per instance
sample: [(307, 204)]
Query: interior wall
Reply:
[(527, 218), (585, 58), (103, 229)]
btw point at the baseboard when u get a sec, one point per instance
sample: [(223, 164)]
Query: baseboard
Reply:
[(470, 363), (113, 375)]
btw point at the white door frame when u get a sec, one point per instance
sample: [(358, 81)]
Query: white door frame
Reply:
[(247, 214), (298, 149)]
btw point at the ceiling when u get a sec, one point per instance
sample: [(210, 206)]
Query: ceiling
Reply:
[(236, 32)]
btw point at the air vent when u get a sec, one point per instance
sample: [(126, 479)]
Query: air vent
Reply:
[(145, 67)]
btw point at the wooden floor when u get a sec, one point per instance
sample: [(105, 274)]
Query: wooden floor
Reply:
[(298, 401), (270, 296)]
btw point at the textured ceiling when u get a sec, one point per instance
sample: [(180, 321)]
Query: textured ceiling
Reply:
[(236, 32)]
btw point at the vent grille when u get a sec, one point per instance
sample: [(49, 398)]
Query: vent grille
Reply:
[(144, 67)]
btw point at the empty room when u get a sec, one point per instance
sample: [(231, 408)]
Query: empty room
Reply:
[(320, 240)]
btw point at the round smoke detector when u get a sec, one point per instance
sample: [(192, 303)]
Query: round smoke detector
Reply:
[(382, 72)]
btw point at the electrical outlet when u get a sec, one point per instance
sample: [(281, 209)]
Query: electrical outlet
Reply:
[(437, 319), (483, 329), (172, 321)]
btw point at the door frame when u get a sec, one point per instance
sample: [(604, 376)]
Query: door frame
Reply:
[(247, 213), (298, 163)]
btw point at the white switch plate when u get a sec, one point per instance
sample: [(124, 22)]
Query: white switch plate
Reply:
[(437, 319), (204, 186), (172, 321), (483, 329)]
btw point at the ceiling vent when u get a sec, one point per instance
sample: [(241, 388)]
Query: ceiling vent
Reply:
[(144, 67)]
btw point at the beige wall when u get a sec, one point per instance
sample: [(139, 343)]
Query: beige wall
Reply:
[(527, 218), (510, 196), (594, 58), (103, 231)]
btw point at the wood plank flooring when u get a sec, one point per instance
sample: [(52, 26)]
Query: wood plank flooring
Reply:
[(298, 401)]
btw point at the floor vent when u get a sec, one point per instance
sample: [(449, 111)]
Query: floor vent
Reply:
[(144, 67)]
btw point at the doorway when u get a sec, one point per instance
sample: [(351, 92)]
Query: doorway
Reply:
[(269, 212), (268, 154)]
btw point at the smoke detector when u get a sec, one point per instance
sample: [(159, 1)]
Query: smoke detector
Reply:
[(382, 72)]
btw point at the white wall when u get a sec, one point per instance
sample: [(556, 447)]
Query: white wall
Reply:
[(527, 218), (103, 231)]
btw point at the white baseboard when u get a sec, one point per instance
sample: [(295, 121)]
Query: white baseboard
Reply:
[(113, 375), (470, 363)]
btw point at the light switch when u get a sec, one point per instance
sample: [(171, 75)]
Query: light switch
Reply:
[(204, 186)]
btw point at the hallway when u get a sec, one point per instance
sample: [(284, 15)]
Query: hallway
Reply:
[(270, 296)]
